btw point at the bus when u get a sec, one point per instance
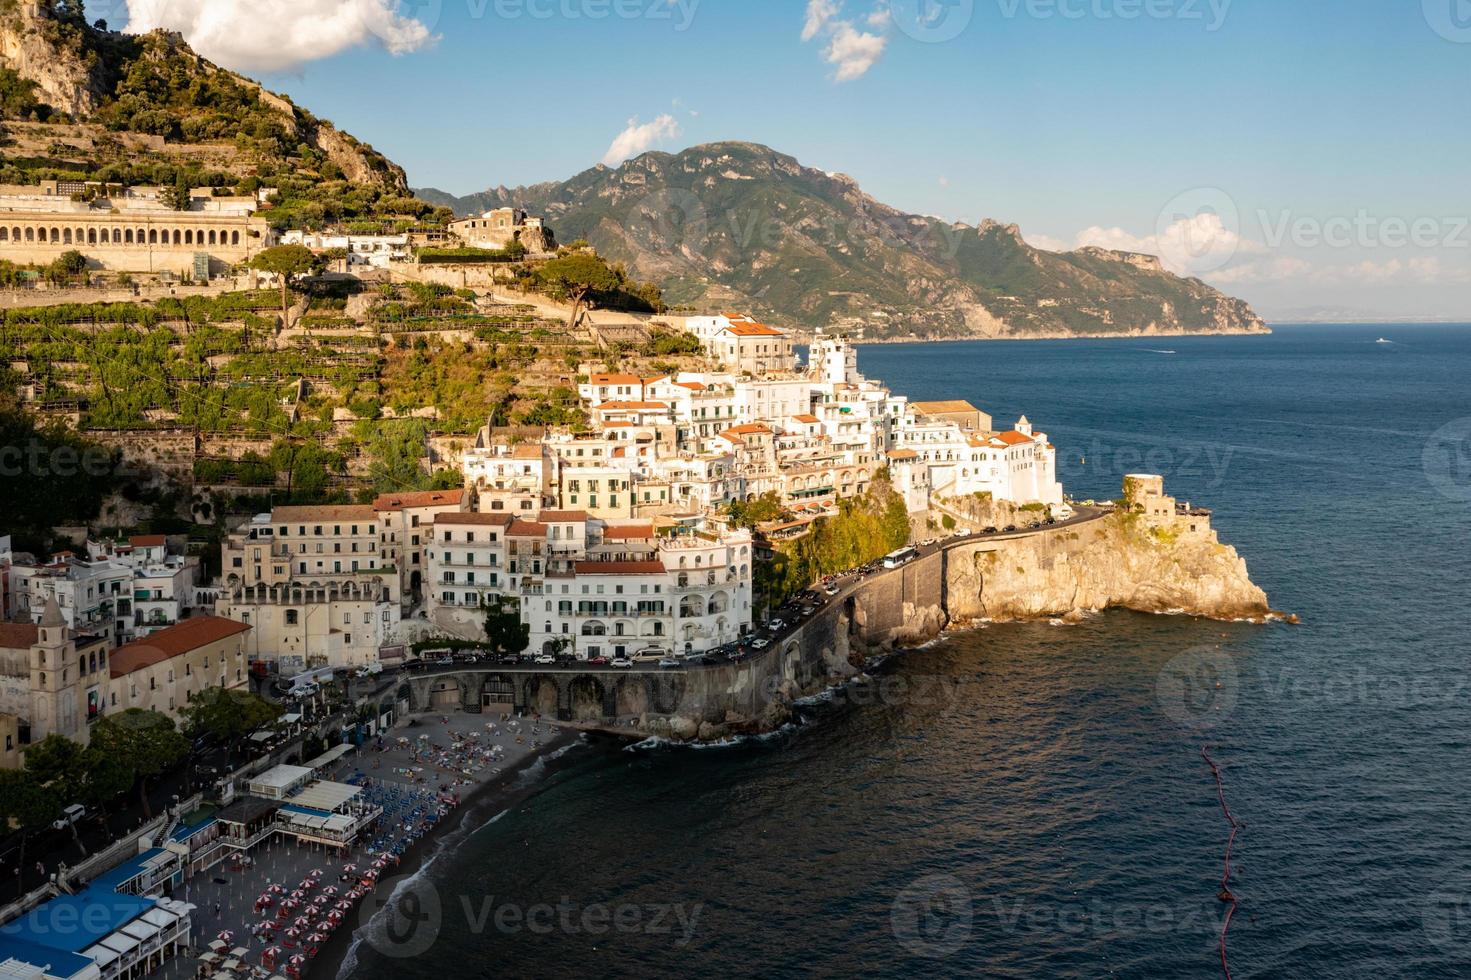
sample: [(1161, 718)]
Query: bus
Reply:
[(896, 558)]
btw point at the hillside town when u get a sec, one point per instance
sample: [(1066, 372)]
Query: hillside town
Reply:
[(613, 540), (614, 543)]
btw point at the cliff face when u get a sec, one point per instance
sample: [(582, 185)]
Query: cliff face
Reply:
[(40, 48), (1123, 561)]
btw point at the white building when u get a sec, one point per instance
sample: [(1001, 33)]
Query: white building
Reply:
[(743, 345), (369, 251), (681, 591)]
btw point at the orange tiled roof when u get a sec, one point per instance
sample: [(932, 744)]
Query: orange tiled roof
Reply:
[(18, 636), (562, 516), (466, 517), (323, 512), (619, 567), (903, 454), (750, 429), (952, 407), (806, 419), (527, 529), (191, 634), (420, 498), (617, 379), (627, 531), (1014, 438), (754, 330)]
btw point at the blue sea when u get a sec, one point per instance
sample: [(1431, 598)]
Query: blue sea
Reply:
[(1031, 800)]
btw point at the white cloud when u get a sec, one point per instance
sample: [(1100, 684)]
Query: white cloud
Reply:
[(640, 137), (853, 51), (881, 17), (280, 35), (1192, 246), (819, 12), (1045, 242)]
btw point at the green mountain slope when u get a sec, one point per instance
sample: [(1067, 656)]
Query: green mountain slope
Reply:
[(81, 102), (739, 224)]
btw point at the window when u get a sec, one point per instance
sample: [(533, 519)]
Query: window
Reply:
[(291, 617)]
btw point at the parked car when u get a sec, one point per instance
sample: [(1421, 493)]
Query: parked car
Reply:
[(598, 661), (69, 816), (668, 662), (370, 670), (1008, 529), (445, 661), (831, 590), (760, 644), (989, 530), (775, 624), (622, 663), (544, 659)]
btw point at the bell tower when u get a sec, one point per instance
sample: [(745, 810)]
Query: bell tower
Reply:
[(55, 677)]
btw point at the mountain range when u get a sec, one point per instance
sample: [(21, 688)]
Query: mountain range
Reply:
[(740, 225)]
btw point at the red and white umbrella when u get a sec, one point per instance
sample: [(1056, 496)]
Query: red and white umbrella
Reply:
[(316, 872), (225, 936)]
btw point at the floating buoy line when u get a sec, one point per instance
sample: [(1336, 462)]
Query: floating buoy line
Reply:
[(1224, 894)]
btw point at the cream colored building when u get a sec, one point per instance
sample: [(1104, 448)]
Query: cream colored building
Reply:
[(294, 542), (743, 345), (341, 622), (128, 229), (499, 227), (164, 670)]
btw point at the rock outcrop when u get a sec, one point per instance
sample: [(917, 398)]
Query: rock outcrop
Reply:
[(1122, 561)]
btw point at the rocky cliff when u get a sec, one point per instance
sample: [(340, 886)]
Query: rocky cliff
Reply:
[(1121, 561), (57, 68)]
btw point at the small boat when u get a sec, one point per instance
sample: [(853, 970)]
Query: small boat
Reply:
[(1381, 340)]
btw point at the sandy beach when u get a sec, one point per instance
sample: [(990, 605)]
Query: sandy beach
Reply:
[(433, 773)]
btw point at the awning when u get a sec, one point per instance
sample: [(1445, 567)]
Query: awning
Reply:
[(120, 943)]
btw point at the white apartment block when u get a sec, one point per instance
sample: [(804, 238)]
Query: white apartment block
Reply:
[(680, 591), (468, 568)]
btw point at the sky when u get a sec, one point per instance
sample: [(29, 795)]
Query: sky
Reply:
[(1301, 154)]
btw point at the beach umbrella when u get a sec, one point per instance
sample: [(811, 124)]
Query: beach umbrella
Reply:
[(316, 872), (226, 936)]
